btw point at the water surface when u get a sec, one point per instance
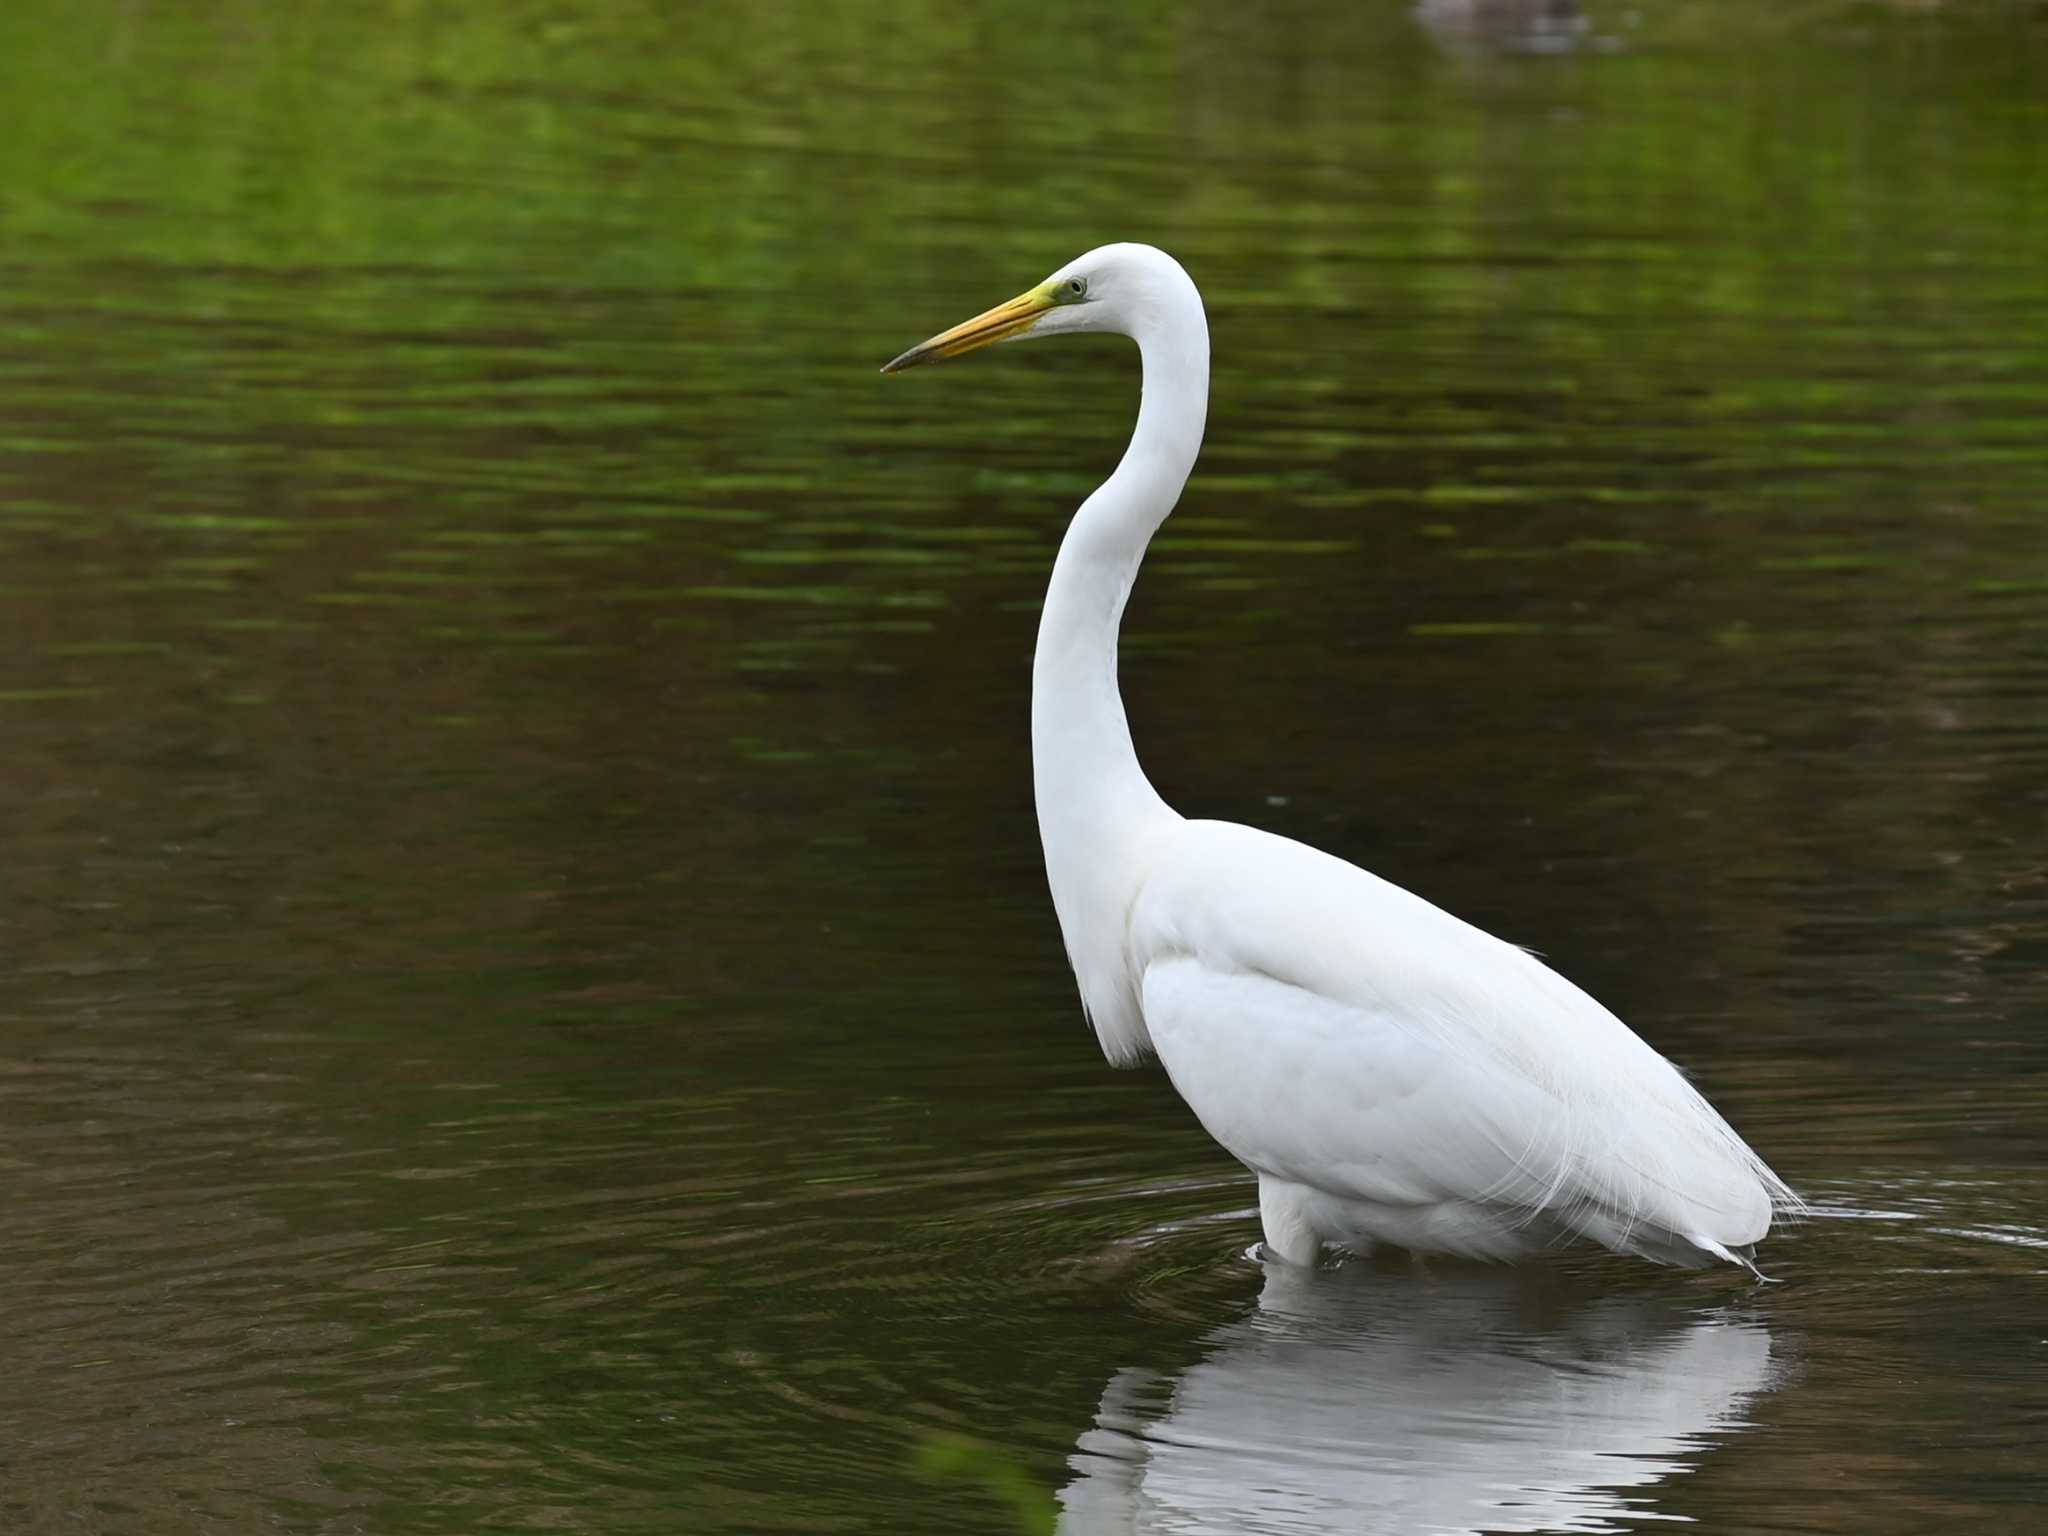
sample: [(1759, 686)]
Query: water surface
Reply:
[(531, 1000)]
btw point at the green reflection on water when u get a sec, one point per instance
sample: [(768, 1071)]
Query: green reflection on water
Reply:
[(534, 1006)]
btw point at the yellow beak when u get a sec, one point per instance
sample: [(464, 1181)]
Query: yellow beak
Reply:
[(999, 324)]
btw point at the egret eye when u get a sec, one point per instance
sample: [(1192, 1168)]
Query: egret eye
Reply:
[(1074, 288)]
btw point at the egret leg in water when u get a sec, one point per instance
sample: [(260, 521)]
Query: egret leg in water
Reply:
[(1390, 1073)]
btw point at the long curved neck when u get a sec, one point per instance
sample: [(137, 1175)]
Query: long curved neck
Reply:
[(1094, 801)]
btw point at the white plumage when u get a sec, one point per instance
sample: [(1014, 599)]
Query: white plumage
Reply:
[(1390, 1073)]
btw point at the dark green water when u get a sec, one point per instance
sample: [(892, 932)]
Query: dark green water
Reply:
[(529, 999)]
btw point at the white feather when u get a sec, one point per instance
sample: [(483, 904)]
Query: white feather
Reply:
[(1413, 1079)]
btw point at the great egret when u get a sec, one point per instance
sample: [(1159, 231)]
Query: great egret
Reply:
[(1390, 1073)]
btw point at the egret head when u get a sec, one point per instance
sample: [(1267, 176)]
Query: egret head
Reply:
[(1111, 288)]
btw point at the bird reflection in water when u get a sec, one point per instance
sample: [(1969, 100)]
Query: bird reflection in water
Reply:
[(1368, 1402)]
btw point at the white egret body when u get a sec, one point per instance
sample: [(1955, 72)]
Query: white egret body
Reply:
[(1390, 1073)]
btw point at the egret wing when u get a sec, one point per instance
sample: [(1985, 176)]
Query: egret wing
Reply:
[(1348, 1101), (1394, 1047)]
